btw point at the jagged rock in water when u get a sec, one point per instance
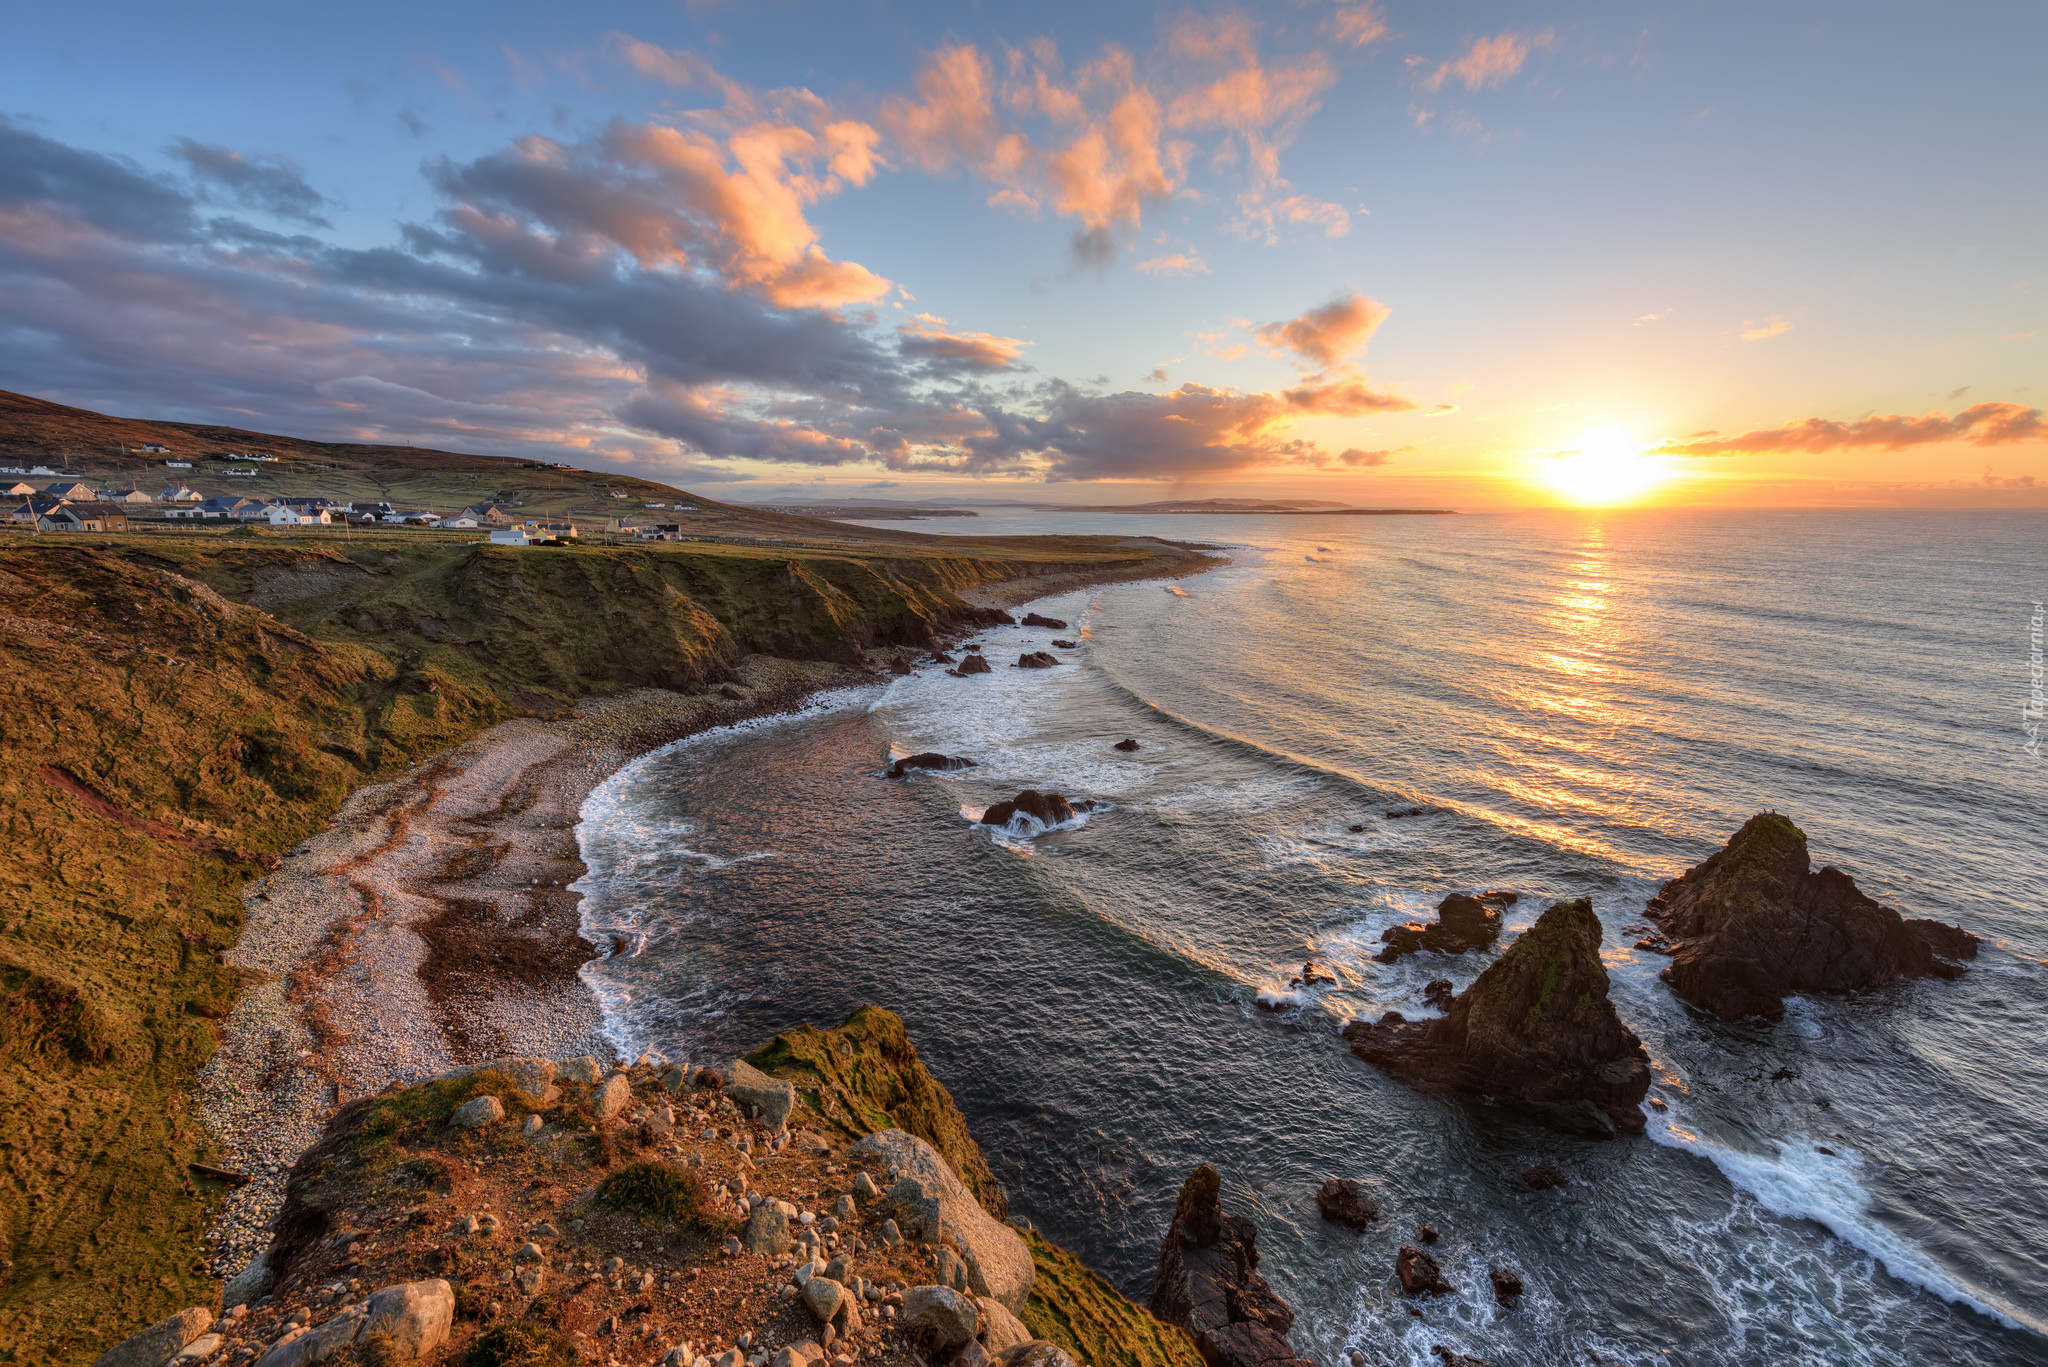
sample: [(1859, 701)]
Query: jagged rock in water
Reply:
[(1032, 619), (1451, 1359), (1462, 923), (1754, 923), (1437, 992), (1037, 659), (902, 664), (1506, 1285), (1419, 1274), (930, 759), (1066, 645), (1495, 897), (1126, 744), (1536, 1032), (1208, 1282), (1343, 1202), (1050, 809), (971, 663)]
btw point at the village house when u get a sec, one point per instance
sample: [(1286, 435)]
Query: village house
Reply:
[(489, 513), (464, 520), (564, 531), (70, 490), (21, 488), (84, 517), (225, 506), (41, 470), (124, 496), (658, 531), (178, 464), (510, 536), (32, 511), (284, 515), (151, 448), (177, 493)]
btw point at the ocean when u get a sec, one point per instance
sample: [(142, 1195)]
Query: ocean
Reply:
[(1582, 705)]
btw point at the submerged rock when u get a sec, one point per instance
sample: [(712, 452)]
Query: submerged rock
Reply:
[(1462, 923), (1208, 1282), (1343, 1202), (1506, 1285), (1126, 744), (1049, 809), (1032, 619), (1754, 923), (1536, 1032), (1038, 659), (1437, 992), (1545, 1176), (930, 759), (1066, 645)]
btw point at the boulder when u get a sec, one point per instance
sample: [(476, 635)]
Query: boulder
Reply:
[(159, 1343), (902, 664), (477, 1112), (1208, 1281), (999, 1264), (773, 1097), (940, 1316), (416, 1316), (929, 760), (1032, 619), (582, 1069), (1048, 809), (611, 1098), (767, 1229), (1000, 1330), (1506, 1285), (971, 663), (824, 1297), (249, 1285), (531, 1076), (1343, 1202), (1754, 923), (1037, 1353), (1126, 744), (200, 1349), (1038, 659), (1536, 1032), (1437, 992), (1419, 1274), (1462, 923)]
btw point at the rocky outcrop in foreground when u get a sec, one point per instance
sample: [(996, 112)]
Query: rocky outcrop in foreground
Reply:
[(1208, 1282), (1754, 924), (1536, 1032), (1462, 923)]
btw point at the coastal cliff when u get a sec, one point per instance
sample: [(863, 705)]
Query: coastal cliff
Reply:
[(182, 709), (658, 1213)]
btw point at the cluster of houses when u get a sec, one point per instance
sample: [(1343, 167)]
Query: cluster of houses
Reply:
[(70, 505)]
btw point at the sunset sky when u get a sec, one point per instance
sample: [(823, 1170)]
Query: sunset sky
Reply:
[(1394, 254)]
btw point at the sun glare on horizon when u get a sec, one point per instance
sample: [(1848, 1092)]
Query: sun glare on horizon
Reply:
[(1605, 468)]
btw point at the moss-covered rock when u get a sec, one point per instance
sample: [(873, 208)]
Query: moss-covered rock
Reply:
[(1753, 923), (864, 1076), (1075, 1308), (1536, 1031)]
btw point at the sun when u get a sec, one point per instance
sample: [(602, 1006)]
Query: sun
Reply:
[(1606, 467)]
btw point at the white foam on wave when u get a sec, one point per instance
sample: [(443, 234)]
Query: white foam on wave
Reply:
[(1796, 1181), (1022, 828)]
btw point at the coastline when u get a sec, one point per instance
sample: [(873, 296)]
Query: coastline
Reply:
[(430, 924)]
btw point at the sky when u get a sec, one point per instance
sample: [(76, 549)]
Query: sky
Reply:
[(1390, 254)]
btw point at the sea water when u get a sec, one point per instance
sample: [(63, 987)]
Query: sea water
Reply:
[(1583, 705)]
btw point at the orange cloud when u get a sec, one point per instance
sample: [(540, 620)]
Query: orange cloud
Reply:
[(1359, 25), (926, 335), (1348, 397), (1490, 61), (1326, 335), (952, 121), (1176, 264), (1763, 328), (1982, 424)]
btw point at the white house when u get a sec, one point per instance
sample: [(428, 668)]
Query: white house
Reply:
[(281, 515), (178, 464), (461, 520), (509, 536), (41, 470), (151, 448), (124, 496), (178, 493), (240, 474)]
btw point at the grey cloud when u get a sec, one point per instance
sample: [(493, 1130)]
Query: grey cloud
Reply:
[(268, 184)]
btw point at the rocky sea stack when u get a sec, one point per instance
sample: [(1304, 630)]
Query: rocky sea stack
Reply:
[(1208, 1282), (1536, 1032), (1755, 923), (930, 760)]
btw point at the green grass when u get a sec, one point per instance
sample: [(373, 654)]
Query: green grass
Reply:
[(522, 1345), (1076, 1309), (655, 1193)]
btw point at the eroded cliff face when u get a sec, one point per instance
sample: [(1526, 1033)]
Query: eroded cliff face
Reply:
[(1754, 923), (1535, 1031)]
